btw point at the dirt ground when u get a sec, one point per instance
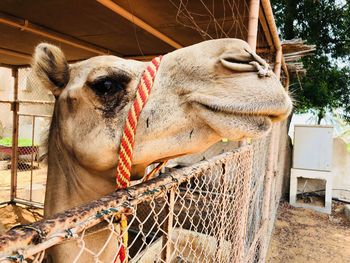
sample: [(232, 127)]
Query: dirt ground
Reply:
[(23, 183), (301, 235), (12, 215)]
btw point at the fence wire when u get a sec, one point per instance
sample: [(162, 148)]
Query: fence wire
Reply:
[(30, 120), (221, 209), (212, 211)]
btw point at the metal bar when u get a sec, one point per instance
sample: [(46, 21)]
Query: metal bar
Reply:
[(168, 227), (27, 203), (32, 162), (15, 131), (36, 102), (252, 249), (35, 115), (25, 25), (267, 195), (253, 23), (140, 23), (244, 211), (6, 101), (5, 203)]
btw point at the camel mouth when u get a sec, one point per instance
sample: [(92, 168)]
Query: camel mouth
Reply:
[(273, 116)]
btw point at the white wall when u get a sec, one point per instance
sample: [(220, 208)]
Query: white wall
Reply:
[(341, 169)]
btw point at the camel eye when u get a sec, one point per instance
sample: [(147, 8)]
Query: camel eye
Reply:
[(106, 86)]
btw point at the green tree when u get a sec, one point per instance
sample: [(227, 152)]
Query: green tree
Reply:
[(326, 24)]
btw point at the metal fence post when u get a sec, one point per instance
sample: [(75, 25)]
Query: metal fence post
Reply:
[(267, 196), (168, 226), (32, 160), (15, 131)]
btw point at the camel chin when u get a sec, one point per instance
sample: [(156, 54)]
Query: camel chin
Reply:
[(235, 126)]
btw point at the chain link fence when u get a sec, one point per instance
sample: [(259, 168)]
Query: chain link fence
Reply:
[(217, 210), (220, 207), (25, 114)]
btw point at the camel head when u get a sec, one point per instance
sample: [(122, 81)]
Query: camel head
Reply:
[(201, 94)]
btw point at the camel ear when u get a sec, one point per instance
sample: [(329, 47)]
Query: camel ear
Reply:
[(51, 67)]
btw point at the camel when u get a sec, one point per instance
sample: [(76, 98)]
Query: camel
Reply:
[(201, 93)]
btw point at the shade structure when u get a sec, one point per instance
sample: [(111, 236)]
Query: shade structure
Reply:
[(85, 28)]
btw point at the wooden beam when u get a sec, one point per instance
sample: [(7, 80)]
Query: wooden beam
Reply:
[(140, 23), (27, 26), (14, 53)]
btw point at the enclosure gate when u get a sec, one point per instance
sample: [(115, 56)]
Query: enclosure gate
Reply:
[(25, 109)]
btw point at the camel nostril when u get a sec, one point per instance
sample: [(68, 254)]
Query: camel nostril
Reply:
[(237, 65)]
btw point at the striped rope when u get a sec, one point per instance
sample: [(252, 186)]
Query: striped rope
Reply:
[(127, 143)]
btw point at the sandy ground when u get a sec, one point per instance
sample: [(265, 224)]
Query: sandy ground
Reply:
[(301, 235), (23, 183), (12, 215)]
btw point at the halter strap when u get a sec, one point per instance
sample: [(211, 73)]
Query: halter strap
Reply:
[(127, 142)]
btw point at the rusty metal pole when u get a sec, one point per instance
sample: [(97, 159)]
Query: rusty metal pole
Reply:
[(15, 131)]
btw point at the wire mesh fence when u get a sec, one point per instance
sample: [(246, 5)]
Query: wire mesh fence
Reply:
[(218, 210), (5, 151), (25, 111)]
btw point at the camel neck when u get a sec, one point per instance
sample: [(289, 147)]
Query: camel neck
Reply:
[(68, 183)]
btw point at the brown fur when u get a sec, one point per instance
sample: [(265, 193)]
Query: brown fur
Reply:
[(195, 101)]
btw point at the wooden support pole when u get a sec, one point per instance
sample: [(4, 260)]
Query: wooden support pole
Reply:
[(168, 226), (278, 63), (253, 23), (15, 131), (252, 35)]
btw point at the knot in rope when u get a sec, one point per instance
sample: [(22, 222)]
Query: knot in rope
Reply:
[(260, 65)]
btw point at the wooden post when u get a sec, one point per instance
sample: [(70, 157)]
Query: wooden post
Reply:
[(278, 63), (14, 156), (253, 23), (252, 36), (168, 227)]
